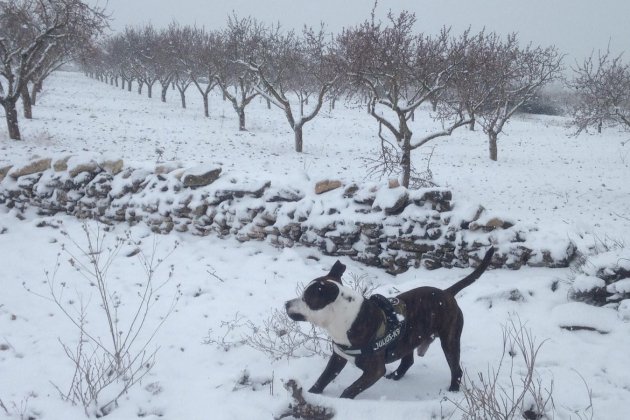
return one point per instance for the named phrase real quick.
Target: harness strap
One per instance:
(388, 333)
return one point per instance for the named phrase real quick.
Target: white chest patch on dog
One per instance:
(341, 314)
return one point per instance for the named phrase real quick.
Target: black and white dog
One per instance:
(376, 331)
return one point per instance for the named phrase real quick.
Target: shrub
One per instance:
(107, 363)
(523, 395)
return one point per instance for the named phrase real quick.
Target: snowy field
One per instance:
(575, 187)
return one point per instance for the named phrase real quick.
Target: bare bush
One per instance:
(226, 341)
(280, 337)
(360, 283)
(20, 411)
(522, 395)
(277, 337)
(385, 163)
(107, 361)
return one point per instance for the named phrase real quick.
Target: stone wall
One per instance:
(380, 225)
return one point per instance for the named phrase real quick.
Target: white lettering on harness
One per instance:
(387, 339)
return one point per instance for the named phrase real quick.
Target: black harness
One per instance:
(387, 335)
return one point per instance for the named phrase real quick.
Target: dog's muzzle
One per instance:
(296, 316)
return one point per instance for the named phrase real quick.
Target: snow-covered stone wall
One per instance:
(380, 225)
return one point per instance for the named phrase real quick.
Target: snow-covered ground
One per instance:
(576, 187)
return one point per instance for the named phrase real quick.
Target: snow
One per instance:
(583, 283)
(578, 314)
(568, 188)
(387, 198)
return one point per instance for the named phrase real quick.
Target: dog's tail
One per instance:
(469, 279)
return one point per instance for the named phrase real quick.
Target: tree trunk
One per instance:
(129, 85)
(140, 87)
(405, 161)
(206, 107)
(26, 103)
(37, 87)
(599, 127)
(164, 91)
(299, 139)
(471, 126)
(493, 146)
(241, 118)
(149, 90)
(12, 120)
(268, 104)
(182, 94)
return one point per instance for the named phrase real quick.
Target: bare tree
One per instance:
(301, 66)
(602, 83)
(180, 41)
(146, 44)
(31, 33)
(203, 64)
(81, 32)
(469, 89)
(242, 42)
(514, 75)
(399, 71)
(119, 59)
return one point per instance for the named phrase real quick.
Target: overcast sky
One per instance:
(575, 26)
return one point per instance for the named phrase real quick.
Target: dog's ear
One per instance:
(337, 271)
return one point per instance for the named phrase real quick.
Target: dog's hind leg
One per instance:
(405, 364)
(451, 351)
(451, 346)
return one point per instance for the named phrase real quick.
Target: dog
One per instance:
(373, 332)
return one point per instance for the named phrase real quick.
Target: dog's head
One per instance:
(325, 300)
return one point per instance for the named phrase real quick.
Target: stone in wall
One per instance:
(4, 170)
(33, 167)
(201, 176)
(327, 185)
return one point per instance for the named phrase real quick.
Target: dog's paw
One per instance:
(394, 376)
(314, 390)
(348, 395)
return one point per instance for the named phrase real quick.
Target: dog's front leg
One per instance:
(335, 364)
(372, 372)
